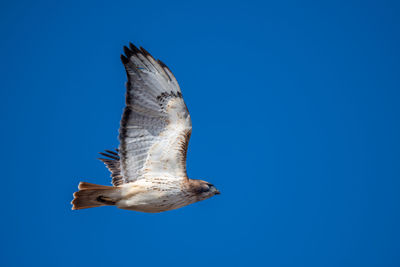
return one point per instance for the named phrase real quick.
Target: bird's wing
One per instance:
(156, 125)
(112, 161)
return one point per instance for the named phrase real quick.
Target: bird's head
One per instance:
(202, 189)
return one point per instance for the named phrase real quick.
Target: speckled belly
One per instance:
(150, 200)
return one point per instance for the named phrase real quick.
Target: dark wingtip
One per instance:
(163, 65)
(111, 152)
(124, 59)
(127, 52)
(134, 48)
(109, 156)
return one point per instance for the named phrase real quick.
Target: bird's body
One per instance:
(149, 168)
(150, 196)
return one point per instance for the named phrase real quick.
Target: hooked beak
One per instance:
(217, 192)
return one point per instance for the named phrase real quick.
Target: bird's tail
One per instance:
(94, 195)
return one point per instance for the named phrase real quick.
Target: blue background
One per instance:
(295, 110)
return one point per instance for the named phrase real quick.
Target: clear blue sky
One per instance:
(295, 110)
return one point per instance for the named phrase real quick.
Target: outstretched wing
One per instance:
(155, 126)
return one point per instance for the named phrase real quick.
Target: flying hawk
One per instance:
(148, 169)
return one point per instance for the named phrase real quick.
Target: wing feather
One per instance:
(155, 125)
(111, 161)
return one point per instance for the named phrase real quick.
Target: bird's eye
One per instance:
(205, 188)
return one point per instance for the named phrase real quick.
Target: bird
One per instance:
(148, 169)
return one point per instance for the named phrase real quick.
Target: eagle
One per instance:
(148, 169)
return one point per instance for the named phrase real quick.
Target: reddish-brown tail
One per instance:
(94, 195)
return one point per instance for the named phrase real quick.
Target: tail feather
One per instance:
(85, 185)
(94, 195)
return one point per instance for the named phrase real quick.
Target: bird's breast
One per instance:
(153, 197)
